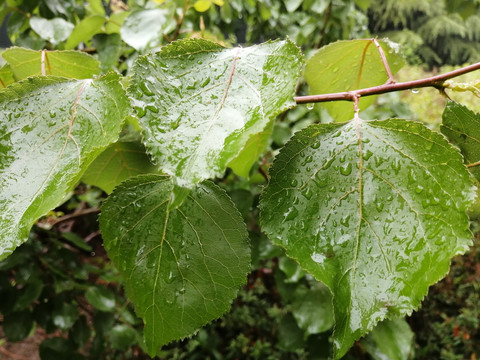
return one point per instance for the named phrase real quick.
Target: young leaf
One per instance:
(369, 209)
(181, 267)
(462, 127)
(51, 129)
(200, 103)
(70, 64)
(349, 65)
(120, 161)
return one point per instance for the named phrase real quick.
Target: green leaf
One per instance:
(115, 21)
(77, 241)
(368, 208)
(65, 316)
(312, 308)
(462, 127)
(54, 30)
(391, 339)
(70, 64)
(52, 129)
(255, 146)
(80, 332)
(200, 103)
(290, 336)
(108, 49)
(122, 337)
(181, 267)
(85, 30)
(349, 65)
(17, 325)
(101, 298)
(144, 29)
(120, 161)
(6, 76)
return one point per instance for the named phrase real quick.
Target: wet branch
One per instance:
(434, 81)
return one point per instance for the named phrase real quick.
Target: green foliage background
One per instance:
(72, 291)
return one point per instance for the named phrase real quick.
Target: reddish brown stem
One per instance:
(434, 81)
(385, 62)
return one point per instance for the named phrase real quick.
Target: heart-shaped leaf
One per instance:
(199, 103)
(369, 209)
(50, 131)
(182, 268)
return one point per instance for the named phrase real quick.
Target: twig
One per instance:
(326, 17)
(12, 355)
(434, 81)
(75, 214)
(385, 62)
(179, 22)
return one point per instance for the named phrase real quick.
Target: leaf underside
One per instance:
(199, 103)
(51, 129)
(349, 65)
(368, 208)
(183, 267)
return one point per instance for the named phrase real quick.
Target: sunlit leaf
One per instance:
(6, 76)
(145, 28)
(199, 103)
(181, 267)
(51, 129)
(369, 209)
(53, 30)
(84, 30)
(349, 65)
(70, 64)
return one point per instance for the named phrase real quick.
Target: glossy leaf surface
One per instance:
(349, 65)
(145, 28)
(70, 64)
(120, 161)
(51, 129)
(181, 267)
(369, 209)
(54, 30)
(200, 103)
(462, 127)
(391, 339)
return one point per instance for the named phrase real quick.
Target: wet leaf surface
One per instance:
(199, 103)
(183, 267)
(369, 209)
(51, 129)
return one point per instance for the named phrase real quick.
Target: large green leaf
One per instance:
(462, 127)
(50, 131)
(181, 267)
(6, 76)
(349, 65)
(70, 64)
(85, 30)
(368, 208)
(199, 103)
(120, 161)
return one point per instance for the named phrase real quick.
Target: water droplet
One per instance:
(310, 106)
(170, 278)
(291, 214)
(415, 91)
(346, 170)
(294, 183)
(307, 193)
(52, 114)
(315, 145)
(419, 189)
(318, 258)
(144, 86)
